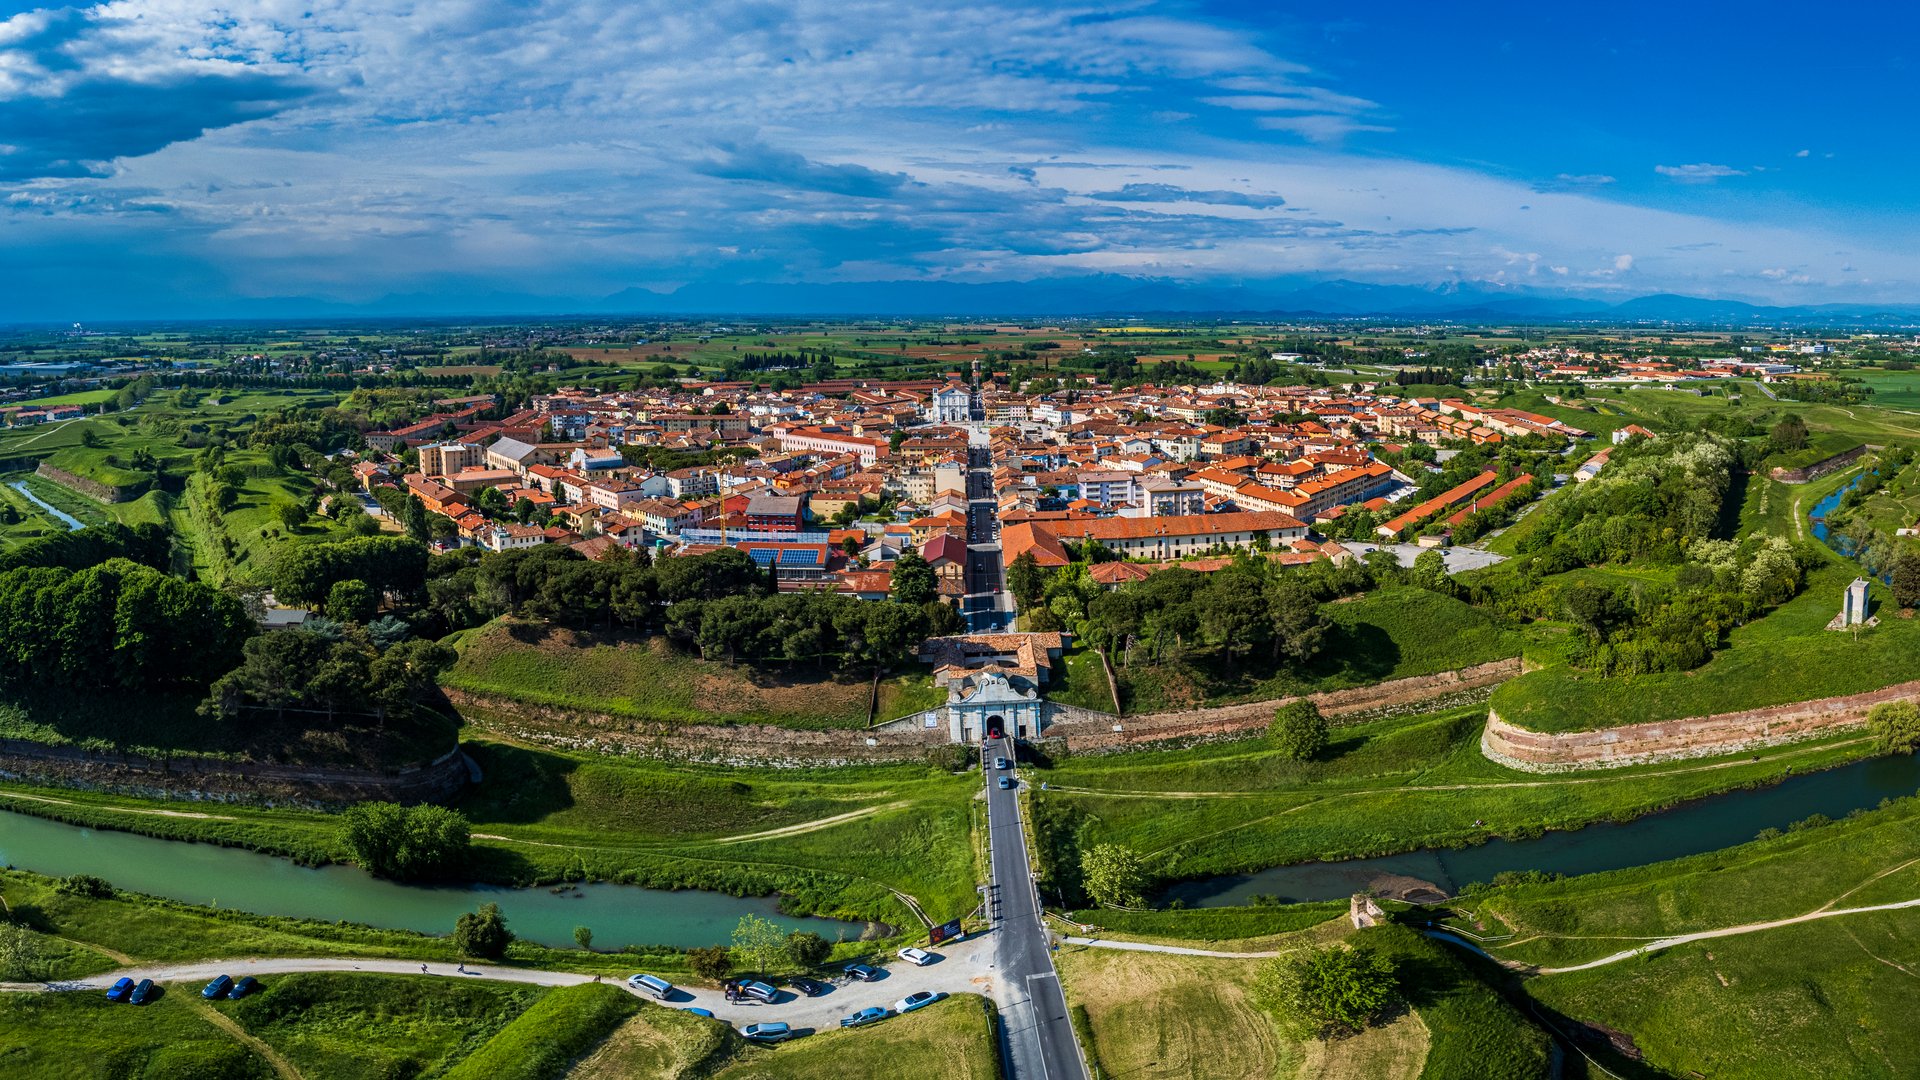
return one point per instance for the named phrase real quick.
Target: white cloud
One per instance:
(1701, 173)
(1804, 153)
(1623, 263)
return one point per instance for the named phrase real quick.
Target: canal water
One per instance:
(1708, 824)
(65, 518)
(231, 878)
(1817, 516)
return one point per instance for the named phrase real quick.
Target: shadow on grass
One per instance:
(519, 785)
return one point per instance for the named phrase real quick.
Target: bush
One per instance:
(711, 962)
(807, 949)
(483, 933)
(85, 885)
(1298, 730)
(405, 842)
(1327, 991)
(1896, 724)
(1113, 876)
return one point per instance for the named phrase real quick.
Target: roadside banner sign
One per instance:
(946, 932)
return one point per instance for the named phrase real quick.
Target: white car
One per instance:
(916, 957)
(918, 1001)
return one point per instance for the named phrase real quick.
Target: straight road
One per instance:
(1036, 1032)
(984, 605)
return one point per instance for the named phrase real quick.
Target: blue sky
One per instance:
(171, 157)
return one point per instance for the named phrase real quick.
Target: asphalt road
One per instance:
(1036, 1033)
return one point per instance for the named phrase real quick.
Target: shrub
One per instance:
(85, 885)
(1298, 731)
(807, 949)
(1896, 724)
(483, 933)
(405, 841)
(1113, 876)
(1327, 991)
(711, 962)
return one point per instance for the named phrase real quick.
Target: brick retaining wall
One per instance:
(216, 780)
(1675, 740)
(1088, 731)
(1818, 469)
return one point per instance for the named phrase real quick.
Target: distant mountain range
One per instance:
(1088, 296)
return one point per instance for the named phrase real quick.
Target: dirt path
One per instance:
(227, 1024)
(116, 809)
(1177, 950)
(1708, 935)
(813, 826)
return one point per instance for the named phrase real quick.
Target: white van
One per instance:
(651, 984)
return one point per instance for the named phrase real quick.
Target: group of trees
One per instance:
(1248, 607)
(117, 624)
(332, 669)
(306, 573)
(147, 544)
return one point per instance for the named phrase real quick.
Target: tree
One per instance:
(1430, 572)
(807, 949)
(758, 941)
(1298, 731)
(1026, 581)
(583, 937)
(1114, 876)
(352, 600)
(292, 515)
(1897, 726)
(1299, 629)
(482, 933)
(1906, 580)
(1789, 434)
(21, 958)
(710, 962)
(943, 619)
(390, 840)
(1327, 991)
(913, 581)
(415, 519)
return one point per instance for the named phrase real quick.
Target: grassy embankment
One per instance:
(948, 1040)
(1162, 1015)
(833, 841)
(1787, 656)
(645, 679)
(1730, 1006)
(1385, 786)
(1390, 633)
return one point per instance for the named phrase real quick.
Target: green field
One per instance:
(83, 1036)
(645, 679)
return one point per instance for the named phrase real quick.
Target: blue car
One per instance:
(247, 985)
(120, 990)
(865, 1016)
(218, 988)
(708, 1013)
(142, 992)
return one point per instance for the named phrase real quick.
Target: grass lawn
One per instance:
(78, 397)
(563, 1025)
(645, 679)
(1787, 656)
(1081, 681)
(948, 1040)
(1390, 633)
(1736, 1006)
(1166, 1015)
(1388, 786)
(83, 1036)
(370, 1027)
(660, 1042)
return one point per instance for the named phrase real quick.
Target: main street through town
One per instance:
(1037, 1037)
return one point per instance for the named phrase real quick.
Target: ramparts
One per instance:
(1676, 740)
(219, 780)
(1809, 473)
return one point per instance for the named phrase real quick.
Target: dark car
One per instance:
(247, 985)
(863, 972)
(142, 992)
(217, 988)
(119, 991)
(809, 987)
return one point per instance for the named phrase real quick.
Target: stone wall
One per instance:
(1818, 469)
(731, 744)
(92, 488)
(1675, 740)
(216, 780)
(1087, 731)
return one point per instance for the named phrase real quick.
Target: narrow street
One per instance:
(1035, 1031)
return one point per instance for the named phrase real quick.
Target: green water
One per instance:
(230, 878)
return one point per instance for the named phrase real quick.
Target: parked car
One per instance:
(809, 987)
(651, 984)
(863, 972)
(1006, 782)
(708, 1013)
(768, 1032)
(758, 991)
(916, 957)
(918, 1001)
(218, 988)
(142, 992)
(247, 985)
(865, 1016)
(119, 990)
